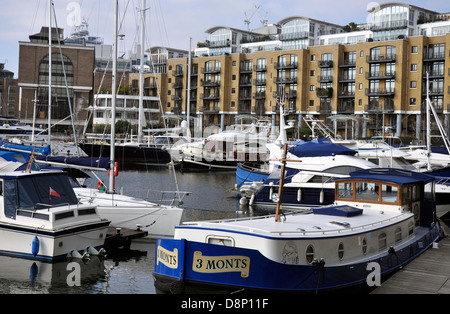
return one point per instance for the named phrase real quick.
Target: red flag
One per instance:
(54, 193)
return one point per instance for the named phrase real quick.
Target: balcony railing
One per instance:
(326, 64)
(380, 58)
(380, 75)
(380, 91)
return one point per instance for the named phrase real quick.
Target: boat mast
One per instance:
(427, 103)
(280, 187)
(113, 99)
(49, 70)
(188, 96)
(141, 74)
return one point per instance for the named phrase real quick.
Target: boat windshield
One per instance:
(37, 192)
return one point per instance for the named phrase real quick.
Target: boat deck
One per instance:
(305, 223)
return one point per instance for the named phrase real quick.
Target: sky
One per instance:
(170, 23)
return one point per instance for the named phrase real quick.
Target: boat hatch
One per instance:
(220, 240)
(342, 210)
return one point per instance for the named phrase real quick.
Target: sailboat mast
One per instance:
(113, 99)
(49, 70)
(427, 103)
(141, 74)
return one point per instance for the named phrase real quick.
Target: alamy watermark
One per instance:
(73, 14)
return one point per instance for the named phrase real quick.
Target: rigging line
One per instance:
(65, 80)
(35, 16)
(164, 23)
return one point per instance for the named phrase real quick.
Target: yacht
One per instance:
(41, 218)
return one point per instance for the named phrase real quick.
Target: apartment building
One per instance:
(9, 93)
(374, 74)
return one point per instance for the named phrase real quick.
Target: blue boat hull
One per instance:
(245, 175)
(181, 266)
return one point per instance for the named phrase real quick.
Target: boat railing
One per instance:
(443, 180)
(171, 198)
(345, 227)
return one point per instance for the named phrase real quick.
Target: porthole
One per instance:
(341, 251)
(364, 246)
(309, 254)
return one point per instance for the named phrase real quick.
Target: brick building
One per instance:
(78, 61)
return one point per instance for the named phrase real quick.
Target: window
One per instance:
(412, 101)
(313, 57)
(398, 234)
(341, 251)
(413, 67)
(389, 193)
(382, 241)
(364, 246)
(413, 84)
(345, 190)
(368, 191)
(414, 49)
(309, 254)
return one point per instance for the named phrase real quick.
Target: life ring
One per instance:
(99, 184)
(116, 169)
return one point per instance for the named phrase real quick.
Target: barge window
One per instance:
(367, 191)
(382, 242)
(398, 234)
(345, 190)
(309, 254)
(364, 246)
(389, 194)
(341, 251)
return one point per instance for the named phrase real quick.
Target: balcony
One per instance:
(346, 109)
(285, 80)
(380, 75)
(346, 94)
(434, 56)
(326, 64)
(259, 81)
(284, 65)
(325, 108)
(377, 107)
(177, 72)
(244, 108)
(211, 70)
(259, 95)
(210, 108)
(260, 68)
(324, 92)
(325, 79)
(348, 63)
(380, 58)
(294, 36)
(210, 96)
(209, 83)
(245, 81)
(380, 92)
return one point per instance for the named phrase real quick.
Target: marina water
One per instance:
(126, 272)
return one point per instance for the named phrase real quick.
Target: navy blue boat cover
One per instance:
(319, 147)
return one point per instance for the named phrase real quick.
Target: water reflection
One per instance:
(24, 276)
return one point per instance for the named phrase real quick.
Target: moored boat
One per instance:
(42, 219)
(382, 218)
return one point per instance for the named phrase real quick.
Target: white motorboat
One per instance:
(159, 220)
(41, 218)
(381, 220)
(223, 150)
